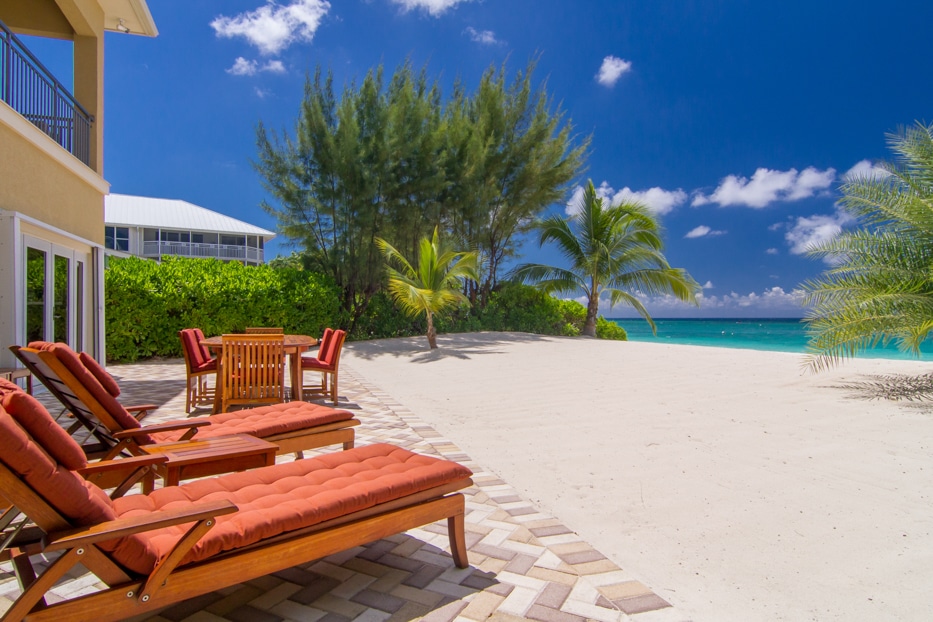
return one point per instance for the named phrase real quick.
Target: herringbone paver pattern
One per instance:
(523, 564)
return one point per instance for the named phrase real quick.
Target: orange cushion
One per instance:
(69, 358)
(262, 421)
(284, 497)
(36, 421)
(79, 501)
(103, 377)
(309, 362)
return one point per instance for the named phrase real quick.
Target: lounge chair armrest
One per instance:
(161, 427)
(122, 464)
(138, 524)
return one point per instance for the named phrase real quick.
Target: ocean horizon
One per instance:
(768, 334)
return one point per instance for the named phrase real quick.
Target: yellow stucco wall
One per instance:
(36, 185)
(42, 18)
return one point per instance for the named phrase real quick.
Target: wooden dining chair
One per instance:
(256, 330)
(199, 367)
(327, 363)
(252, 370)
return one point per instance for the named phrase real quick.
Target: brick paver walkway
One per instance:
(523, 564)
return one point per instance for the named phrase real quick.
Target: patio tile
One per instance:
(524, 564)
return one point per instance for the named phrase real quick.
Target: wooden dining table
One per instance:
(295, 346)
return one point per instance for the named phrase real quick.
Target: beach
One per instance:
(733, 483)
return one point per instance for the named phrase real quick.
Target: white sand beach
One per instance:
(731, 482)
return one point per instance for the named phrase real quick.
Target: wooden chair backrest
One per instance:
(72, 394)
(257, 330)
(252, 369)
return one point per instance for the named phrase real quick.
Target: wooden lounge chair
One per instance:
(326, 363)
(176, 543)
(293, 426)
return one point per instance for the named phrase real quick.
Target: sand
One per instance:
(731, 482)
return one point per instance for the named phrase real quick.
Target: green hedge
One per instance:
(149, 302)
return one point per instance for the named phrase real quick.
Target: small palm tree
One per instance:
(881, 286)
(436, 283)
(614, 250)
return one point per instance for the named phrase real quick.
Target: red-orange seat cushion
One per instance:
(103, 377)
(310, 362)
(284, 497)
(37, 422)
(263, 421)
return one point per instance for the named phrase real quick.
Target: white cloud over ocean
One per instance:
(865, 168)
(660, 201)
(434, 7)
(807, 232)
(770, 302)
(612, 69)
(273, 27)
(767, 186)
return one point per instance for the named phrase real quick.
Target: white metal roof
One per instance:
(133, 211)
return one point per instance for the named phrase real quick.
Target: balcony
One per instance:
(193, 249)
(31, 90)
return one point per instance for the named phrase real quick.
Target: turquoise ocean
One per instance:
(775, 335)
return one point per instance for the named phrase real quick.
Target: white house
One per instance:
(148, 227)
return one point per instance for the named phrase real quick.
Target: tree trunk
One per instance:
(432, 333)
(592, 310)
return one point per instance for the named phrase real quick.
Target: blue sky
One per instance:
(734, 120)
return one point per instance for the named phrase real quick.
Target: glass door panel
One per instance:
(35, 294)
(61, 310)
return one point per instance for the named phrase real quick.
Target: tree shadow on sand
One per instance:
(894, 388)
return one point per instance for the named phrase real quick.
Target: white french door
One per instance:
(57, 293)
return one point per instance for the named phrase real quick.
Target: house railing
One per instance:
(31, 90)
(194, 249)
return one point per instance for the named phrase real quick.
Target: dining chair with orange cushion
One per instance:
(199, 366)
(327, 363)
(252, 370)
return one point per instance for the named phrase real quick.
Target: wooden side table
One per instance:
(211, 456)
(14, 373)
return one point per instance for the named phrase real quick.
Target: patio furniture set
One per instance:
(244, 518)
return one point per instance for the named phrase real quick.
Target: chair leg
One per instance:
(333, 387)
(188, 396)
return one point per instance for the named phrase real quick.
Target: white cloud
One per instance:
(708, 285)
(772, 251)
(863, 169)
(262, 93)
(770, 302)
(702, 231)
(658, 200)
(434, 7)
(273, 27)
(483, 37)
(767, 186)
(243, 67)
(807, 232)
(612, 69)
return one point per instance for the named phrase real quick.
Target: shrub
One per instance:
(607, 329)
(149, 302)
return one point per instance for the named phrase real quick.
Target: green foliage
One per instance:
(611, 249)
(516, 307)
(880, 288)
(610, 330)
(431, 287)
(149, 302)
(394, 161)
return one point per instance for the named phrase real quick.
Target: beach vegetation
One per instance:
(879, 288)
(433, 284)
(615, 250)
(149, 302)
(390, 158)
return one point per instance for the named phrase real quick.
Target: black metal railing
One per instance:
(31, 90)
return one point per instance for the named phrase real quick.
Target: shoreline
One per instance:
(730, 481)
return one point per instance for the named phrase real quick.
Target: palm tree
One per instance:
(436, 283)
(614, 250)
(880, 286)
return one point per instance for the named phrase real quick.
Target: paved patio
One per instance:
(523, 564)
